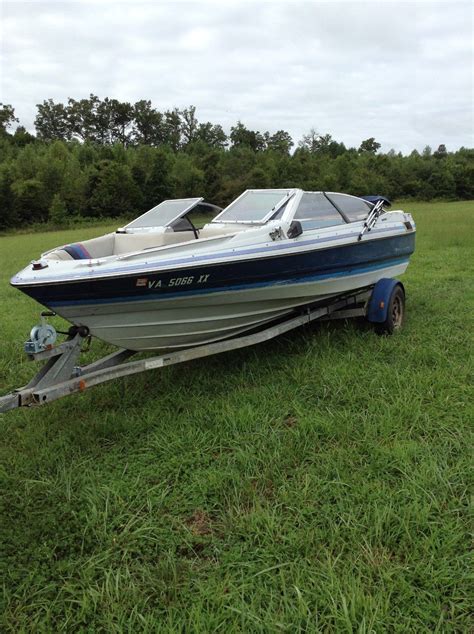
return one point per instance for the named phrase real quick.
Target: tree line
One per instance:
(105, 158)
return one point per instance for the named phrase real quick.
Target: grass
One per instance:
(318, 482)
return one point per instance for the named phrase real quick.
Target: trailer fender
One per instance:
(379, 301)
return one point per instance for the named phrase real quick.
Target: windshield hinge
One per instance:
(276, 234)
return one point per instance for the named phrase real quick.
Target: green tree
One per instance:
(148, 124)
(106, 157)
(122, 120)
(310, 141)
(30, 201)
(369, 145)
(463, 173)
(28, 161)
(258, 178)
(241, 136)
(212, 135)
(83, 121)
(210, 165)
(57, 211)
(280, 142)
(113, 191)
(172, 127)
(7, 117)
(8, 214)
(22, 137)
(52, 165)
(52, 122)
(316, 143)
(187, 177)
(189, 124)
(160, 183)
(441, 152)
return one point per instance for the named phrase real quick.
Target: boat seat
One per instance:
(94, 248)
(118, 244)
(129, 242)
(58, 254)
(76, 251)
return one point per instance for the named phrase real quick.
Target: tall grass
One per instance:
(318, 482)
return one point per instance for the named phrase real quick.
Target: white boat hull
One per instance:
(181, 322)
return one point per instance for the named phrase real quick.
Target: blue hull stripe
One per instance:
(206, 291)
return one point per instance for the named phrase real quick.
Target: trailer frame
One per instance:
(61, 375)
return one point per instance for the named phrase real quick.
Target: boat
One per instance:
(160, 283)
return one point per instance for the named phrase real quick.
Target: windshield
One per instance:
(353, 208)
(253, 206)
(316, 211)
(164, 214)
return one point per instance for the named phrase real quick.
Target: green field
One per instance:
(315, 483)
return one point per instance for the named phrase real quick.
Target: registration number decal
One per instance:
(144, 282)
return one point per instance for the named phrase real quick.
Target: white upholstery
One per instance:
(121, 243)
(97, 248)
(173, 237)
(58, 254)
(128, 242)
(100, 247)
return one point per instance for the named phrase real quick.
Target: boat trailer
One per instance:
(61, 375)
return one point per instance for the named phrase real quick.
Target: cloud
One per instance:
(401, 72)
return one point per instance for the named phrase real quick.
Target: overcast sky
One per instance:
(401, 72)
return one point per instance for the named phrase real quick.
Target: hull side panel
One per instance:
(182, 322)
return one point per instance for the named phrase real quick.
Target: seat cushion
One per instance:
(77, 251)
(58, 254)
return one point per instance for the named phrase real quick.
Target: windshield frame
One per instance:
(192, 202)
(290, 211)
(286, 194)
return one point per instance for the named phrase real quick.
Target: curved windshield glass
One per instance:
(316, 211)
(354, 208)
(164, 214)
(254, 206)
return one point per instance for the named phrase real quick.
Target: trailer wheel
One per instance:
(395, 313)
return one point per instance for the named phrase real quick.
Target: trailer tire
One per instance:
(395, 313)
